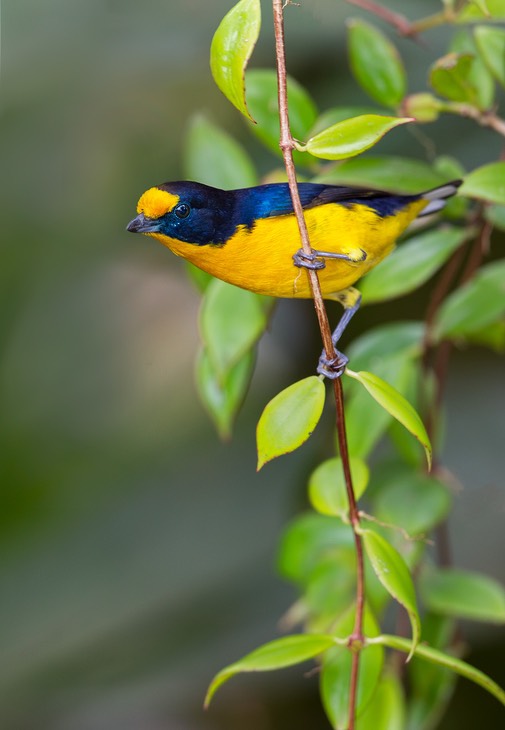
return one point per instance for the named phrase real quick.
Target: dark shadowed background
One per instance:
(137, 552)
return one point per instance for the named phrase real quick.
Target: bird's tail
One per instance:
(438, 196)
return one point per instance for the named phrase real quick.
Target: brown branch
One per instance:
(399, 22)
(287, 145)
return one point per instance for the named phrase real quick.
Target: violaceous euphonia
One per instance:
(249, 237)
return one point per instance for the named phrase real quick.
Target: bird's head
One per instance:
(185, 212)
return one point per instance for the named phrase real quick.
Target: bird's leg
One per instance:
(350, 299)
(315, 260)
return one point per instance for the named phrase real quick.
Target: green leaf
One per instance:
(386, 710)
(394, 575)
(327, 490)
(231, 321)
(463, 594)
(276, 654)
(336, 671)
(289, 419)
(491, 45)
(352, 136)
(390, 173)
(492, 336)
(486, 183)
(338, 114)
(477, 304)
(472, 11)
(261, 85)
(495, 214)
(231, 49)
(421, 651)
(412, 264)
(307, 541)
(376, 64)
(478, 75)
(416, 502)
(330, 589)
(431, 685)
(450, 77)
(399, 339)
(422, 107)
(223, 396)
(391, 351)
(213, 157)
(394, 403)
(482, 5)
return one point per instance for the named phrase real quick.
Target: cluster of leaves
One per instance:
(407, 503)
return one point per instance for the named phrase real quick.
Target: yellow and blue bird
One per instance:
(249, 237)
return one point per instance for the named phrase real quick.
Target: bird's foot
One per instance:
(306, 261)
(333, 368)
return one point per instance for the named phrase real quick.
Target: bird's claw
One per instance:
(306, 261)
(334, 368)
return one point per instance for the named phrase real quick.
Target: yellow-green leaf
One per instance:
(231, 48)
(435, 656)
(394, 403)
(289, 419)
(275, 655)
(392, 571)
(352, 136)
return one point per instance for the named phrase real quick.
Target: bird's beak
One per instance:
(143, 224)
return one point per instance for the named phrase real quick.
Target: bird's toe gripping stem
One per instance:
(333, 368)
(308, 261)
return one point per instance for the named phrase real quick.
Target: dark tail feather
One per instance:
(438, 196)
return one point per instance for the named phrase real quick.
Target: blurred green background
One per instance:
(137, 553)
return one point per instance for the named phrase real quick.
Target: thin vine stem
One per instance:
(287, 144)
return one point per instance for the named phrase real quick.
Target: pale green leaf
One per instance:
(336, 670)
(479, 77)
(213, 157)
(289, 419)
(327, 489)
(416, 502)
(495, 9)
(352, 136)
(231, 48)
(376, 64)
(491, 45)
(486, 183)
(474, 306)
(222, 396)
(450, 77)
(390, 173)
(386, 710)
(394, 575)
(307, 540)
(395, 404)
(231, 321)
(463, 594)
(276, 654)
(412, 264)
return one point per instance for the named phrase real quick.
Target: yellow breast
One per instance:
(261, 259)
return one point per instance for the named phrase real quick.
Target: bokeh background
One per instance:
(137, 552)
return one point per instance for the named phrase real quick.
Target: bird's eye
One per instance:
(182, 210)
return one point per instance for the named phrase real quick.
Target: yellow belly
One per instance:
(261, 259)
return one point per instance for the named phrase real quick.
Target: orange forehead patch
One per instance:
(155, 202)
